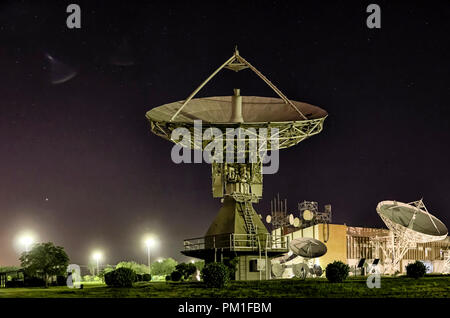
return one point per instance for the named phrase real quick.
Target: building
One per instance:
(350, 244)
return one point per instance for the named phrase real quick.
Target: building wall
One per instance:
(243, 268)
(350, 244)
(336, 243)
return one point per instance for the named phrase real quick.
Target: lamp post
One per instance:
(97, 257)
(149, 242)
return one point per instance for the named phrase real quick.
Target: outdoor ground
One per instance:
(291, 288)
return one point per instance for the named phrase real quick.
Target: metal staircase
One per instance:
(245, 202)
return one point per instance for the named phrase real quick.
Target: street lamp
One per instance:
(149, 242)
(26, 241)
(97, 256)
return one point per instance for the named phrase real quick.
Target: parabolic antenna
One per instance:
(296, 222)
(307, 247)
(308, 215)
(295, 121)
(291, 219)
(300, 270)
(277, 270)
(412, 221)
(268, 219)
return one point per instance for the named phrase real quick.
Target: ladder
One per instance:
(250, 225)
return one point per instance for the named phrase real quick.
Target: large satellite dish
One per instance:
(294, 120)
(307, 247)
(412, 221)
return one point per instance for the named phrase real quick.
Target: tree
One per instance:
(165, 267)
(137, 268)
(45, 259)
(186, 269)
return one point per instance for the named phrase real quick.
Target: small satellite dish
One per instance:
(308, 215)
(300, 270)
(291, 219)
(296, 222)
(317, 270)
(307, 247)
(277, 270)
(268, 219)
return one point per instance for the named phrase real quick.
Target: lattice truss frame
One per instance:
(287, 134)
(401, 239)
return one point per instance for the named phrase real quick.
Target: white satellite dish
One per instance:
(296, 222)
(277, 270)
(268, 219)
(308, 215)
(291, 219)
(307, 247)
(300, 270)
(407, 220)
(317, 270)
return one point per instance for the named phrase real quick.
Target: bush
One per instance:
(175, 276)
(186, 269)
(61, 280)
(416, 270)
(215, 275)
(121, 277)
(337, 272)
(34, 282)
(138, 278)
(167, 278)
(146, 277)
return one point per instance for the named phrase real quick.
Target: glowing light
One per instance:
(150, 242)
(97, 256)
(26, 240)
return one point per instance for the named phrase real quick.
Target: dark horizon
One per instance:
(80, 167)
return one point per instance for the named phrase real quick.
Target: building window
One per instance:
(253, 265)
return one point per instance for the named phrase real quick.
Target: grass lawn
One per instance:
(292, 288)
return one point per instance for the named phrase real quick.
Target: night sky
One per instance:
(80, 167)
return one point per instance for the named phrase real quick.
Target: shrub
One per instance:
(121, 277)
(61, 280)
(138, 278)
(109, 278)
(175, 276)
(146, 277)
(416, 270)
(167, 278)
(186, 269)
(215, 275)
(87, 278)
(32, 281)
(337, 272)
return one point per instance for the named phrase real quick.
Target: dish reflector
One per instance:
(268, 219)
(308, 215)
(277, 270)
(413, 222)
(291, 219)
(307, 247)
